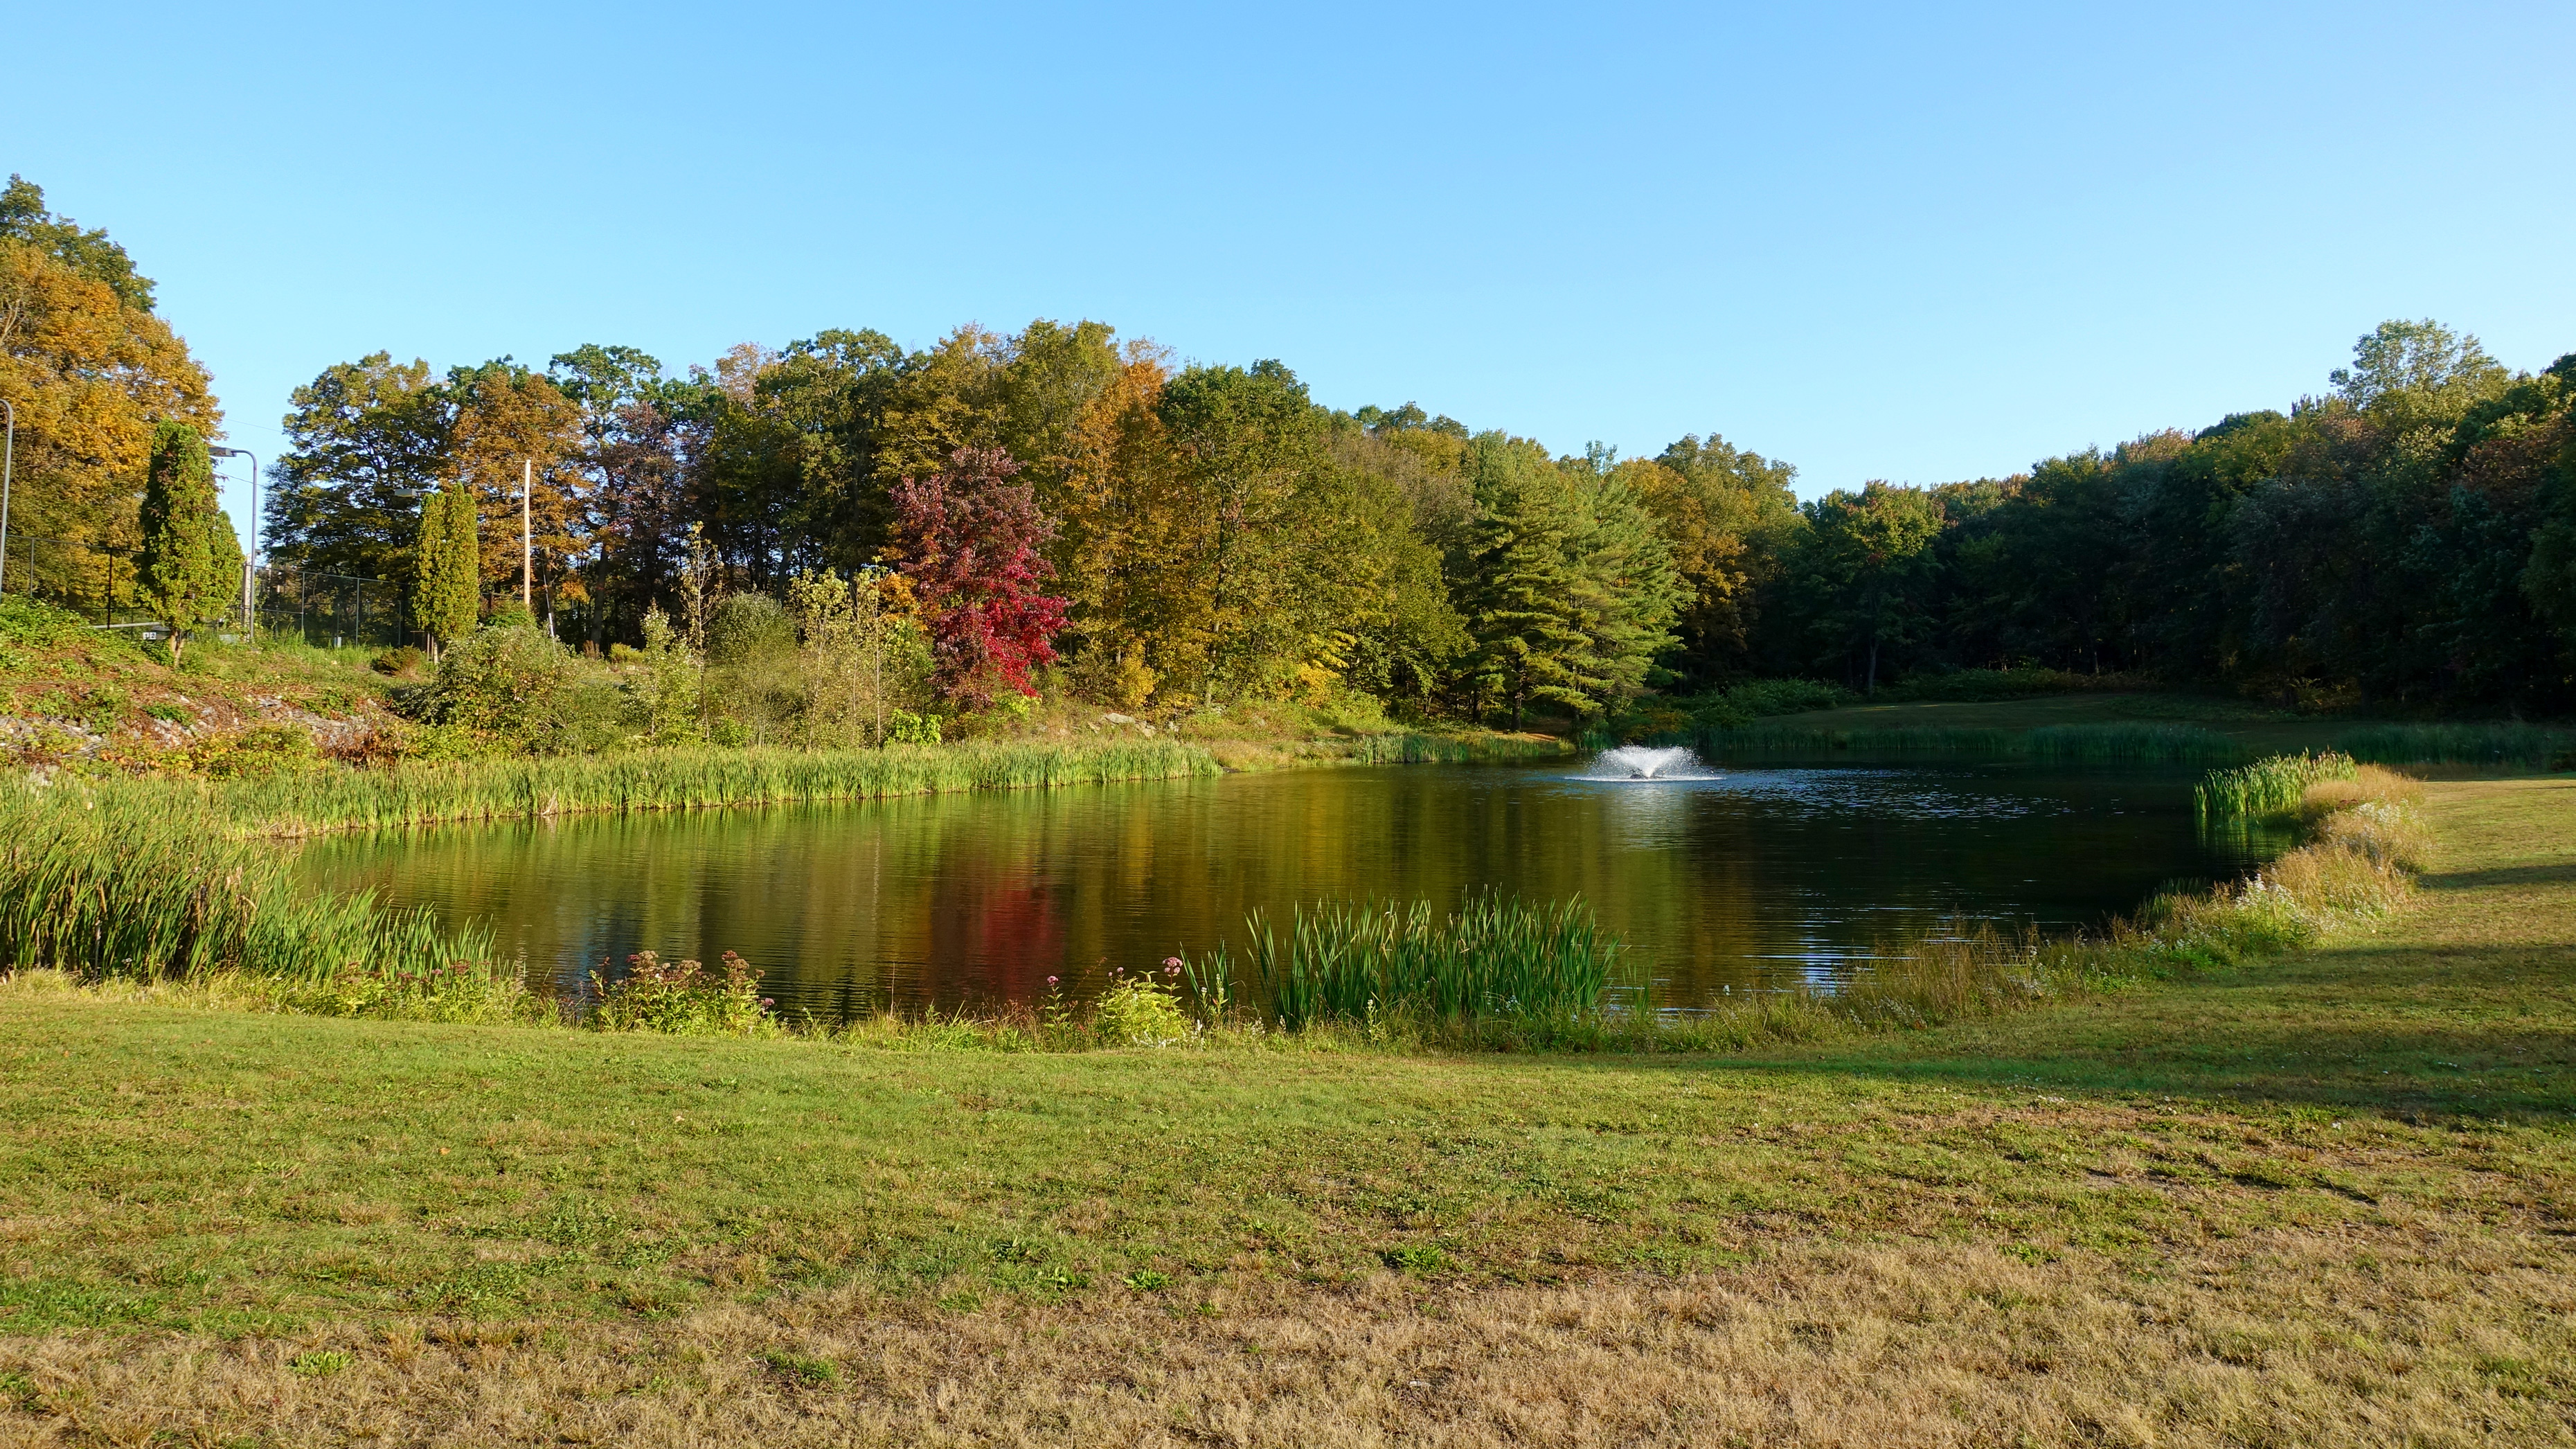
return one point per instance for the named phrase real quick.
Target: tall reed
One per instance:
(111, 881)
(2271, 786)
(1495, 956)
(676, 779)
(1412, 749)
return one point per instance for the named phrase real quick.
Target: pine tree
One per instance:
(447, 587)
(186, 538)
(1520, 597)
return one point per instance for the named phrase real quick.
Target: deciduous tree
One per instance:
(972, 540)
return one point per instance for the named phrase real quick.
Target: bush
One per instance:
(514, 686)
(1968, 685)
(399, 663)
(1742, 704)
(750, 629)
(256, 753)
(1141, 1011)
(755, 681)
(35, 624)
(683, 998)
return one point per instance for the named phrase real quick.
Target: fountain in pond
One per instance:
(1638, 762)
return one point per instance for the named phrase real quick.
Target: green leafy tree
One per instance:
(1868, 564)
(190, 569)
(90, 371)
(446, 582)
(1728, 515)
(366, 442)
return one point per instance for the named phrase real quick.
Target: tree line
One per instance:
(1171, 535)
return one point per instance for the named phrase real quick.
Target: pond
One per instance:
(1738, 878)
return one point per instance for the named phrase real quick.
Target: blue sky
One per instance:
(1876, 241)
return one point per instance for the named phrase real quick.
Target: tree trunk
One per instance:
(1873, 668)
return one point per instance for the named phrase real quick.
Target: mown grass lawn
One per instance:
(2332, 1198)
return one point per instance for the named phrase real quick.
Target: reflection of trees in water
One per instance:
(952, 898)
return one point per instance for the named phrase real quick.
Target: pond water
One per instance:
(1722, 878)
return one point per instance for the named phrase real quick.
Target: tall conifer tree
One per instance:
(187, 540)
(446, 589)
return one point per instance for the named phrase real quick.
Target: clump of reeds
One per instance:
(110, 880)
(1354, 961)
(672, 779)
(1414, 749)
(2272, 786)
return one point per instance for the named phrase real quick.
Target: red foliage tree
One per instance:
(969, 539)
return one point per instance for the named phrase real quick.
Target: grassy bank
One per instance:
(2131, 725)
(2289, 1199)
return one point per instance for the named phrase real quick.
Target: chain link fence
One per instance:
(312, 605)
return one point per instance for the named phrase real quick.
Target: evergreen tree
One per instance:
(188, 543)
(1529, 647)
(447, 577)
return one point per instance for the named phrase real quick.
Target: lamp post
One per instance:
(8, 465)
(250, 565)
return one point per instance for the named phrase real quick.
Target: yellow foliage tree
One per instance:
(91, 370)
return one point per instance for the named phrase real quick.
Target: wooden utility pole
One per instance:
(527, 549)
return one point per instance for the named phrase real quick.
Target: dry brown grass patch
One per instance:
(2379, 1336)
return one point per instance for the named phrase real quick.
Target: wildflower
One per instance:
(1050, 981)
(1172, 970)
(1171, 963)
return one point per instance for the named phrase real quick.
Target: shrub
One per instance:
(1140, 1011)
(1966, 685)
(1742, 704)
(255, 753)
(35, 624)
(755, 679)
(683, 998)
(514, 686)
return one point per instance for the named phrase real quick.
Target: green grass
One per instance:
(2135, 725)
(2511, 745)
(2110, 741)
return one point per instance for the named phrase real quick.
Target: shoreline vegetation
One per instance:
(123, 899)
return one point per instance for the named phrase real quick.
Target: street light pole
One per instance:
(250, 565)
(8, 465)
